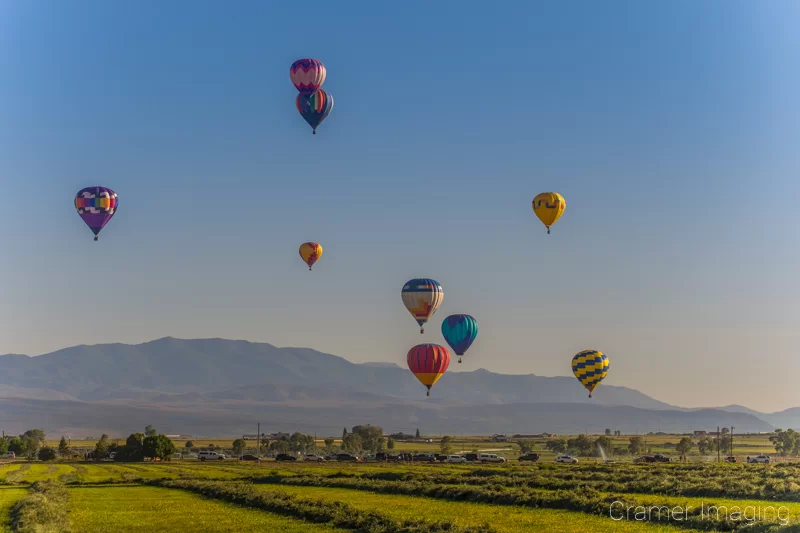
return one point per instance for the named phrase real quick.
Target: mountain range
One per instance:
(215, 387)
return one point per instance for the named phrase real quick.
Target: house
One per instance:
(499, 438)
(700, 433)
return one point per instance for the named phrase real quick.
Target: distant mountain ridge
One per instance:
(221, 383)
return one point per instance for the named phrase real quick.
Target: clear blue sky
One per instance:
(671, 128)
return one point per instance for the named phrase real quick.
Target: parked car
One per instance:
(440, 457)
(401, 457)
(456, 459)
(532, 457)
(566, 459)
(423, 458)
(383, 456)
(471, 457)
(643, 459)
(206, 455)
(114, 454)
(760, 459)
(10, 455)
(313, 458)
(346, 457)
(491, 458)
(658, 458)
(730, 459)
(285, 457)
(249, 457)
(370, 457)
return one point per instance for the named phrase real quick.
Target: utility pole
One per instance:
(732, 428)
(718, 445)
(258, 442)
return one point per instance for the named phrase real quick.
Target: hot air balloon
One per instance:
(96, 206)
(428, 362)
(307, 75)
(422, 297)
(310, 252)
(314, 108)
(590, 367)
(549, 206)
(460, 332)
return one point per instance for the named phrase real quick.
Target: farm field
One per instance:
(8, 497)
(229, 496)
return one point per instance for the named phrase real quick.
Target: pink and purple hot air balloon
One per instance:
(307, 75)
(96, 205)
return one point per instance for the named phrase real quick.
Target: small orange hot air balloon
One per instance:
(549, 206)
(428, 362)
(310, 252)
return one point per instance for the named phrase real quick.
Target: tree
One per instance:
(36, 434)
(608, 432)
(344, 433)
(705, 446)
(329, 442)
(279, 446)
(526, 445)
(785, 442)
(581, 445)
(556, 445)
(239, 446)
(390, 444)
(446, 445)
(15, 445)
(725, 443)
(47, 454)
(300, 443)
(188, 444)
(635, 445)
(150, 431)
(101, 448)
(603, 445)
(3, 446)
(417, 435)
(264, 444)
(352, 443)
(684, 446)
(724, 431)
(158, 447)
(63, 448)
(132, 451)
(371, 437)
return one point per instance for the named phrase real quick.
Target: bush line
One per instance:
(337, 514)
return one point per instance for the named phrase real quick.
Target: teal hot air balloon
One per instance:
(460, 332)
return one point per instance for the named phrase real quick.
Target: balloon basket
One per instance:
(459, 360)
(96, 238)
(428, 393)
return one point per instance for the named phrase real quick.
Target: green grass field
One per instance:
(189, 495)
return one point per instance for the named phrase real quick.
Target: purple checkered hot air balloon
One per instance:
(96, 206)
(307, 75)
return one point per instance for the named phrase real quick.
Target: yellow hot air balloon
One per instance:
(549, 206)
(590, 367)
(310, 252)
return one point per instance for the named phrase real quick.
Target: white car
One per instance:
(206, 455)
(760, 459)
(313, 457)
(491, 458)
(566, 459)
(456, 459)
(10, 455)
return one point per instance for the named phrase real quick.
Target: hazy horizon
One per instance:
(671, 130)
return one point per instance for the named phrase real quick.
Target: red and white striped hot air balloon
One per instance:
(307, 75)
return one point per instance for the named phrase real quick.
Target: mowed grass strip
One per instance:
(336, 513)
(9, 497)
(148, 509)
(503, 518)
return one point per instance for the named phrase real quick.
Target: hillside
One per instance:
(210, 386)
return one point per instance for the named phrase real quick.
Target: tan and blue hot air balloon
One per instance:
(549, 206)
(422, 297)
(590, 367)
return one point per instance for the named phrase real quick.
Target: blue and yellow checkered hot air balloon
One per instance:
(590, 367)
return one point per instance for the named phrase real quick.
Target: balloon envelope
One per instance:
(549, 206)
(422, 297)
(460, 331)
(96, 206)
(314, 108)
(310, 252)
(428, 362)
(590, 367)
(307, 75)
